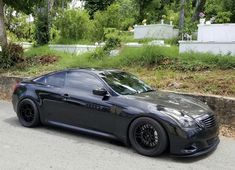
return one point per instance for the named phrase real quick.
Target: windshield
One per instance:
(124, 83)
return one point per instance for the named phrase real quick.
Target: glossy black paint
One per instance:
(104, 112)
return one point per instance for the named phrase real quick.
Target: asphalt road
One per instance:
(52, 148)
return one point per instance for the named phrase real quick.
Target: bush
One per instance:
(12, 55)
(148, 55)
(42, 32)
(119, 16)
(172, 41)
(98, 54)
(112, 43)
(112, 39)
(74, 25)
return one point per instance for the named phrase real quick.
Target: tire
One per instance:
(148, 137)
(28, 114)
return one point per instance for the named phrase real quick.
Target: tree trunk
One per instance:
(42, 22)
(3, 35)
(181, 19)
(198, 8)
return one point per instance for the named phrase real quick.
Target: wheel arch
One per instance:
(34, 101)
(164, 126)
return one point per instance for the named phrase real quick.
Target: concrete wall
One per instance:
(224, 107)
(6, 86)
(216, 32)
(155, 31)
(207, 47)
(74, 49)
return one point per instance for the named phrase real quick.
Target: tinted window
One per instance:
(124, 83)
(56, 79)
(41, 80)
(83, 81)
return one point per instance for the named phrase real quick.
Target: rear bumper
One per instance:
(195, 142)
(15, 102)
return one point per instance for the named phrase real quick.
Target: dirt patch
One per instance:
(216, 82)
(43, 60)
(227, 131)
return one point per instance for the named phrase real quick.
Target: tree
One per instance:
(142, 5)
(3, 35)
(25, 6)
(44, 14)
(97, 5)
(199, 6)
(229, 6)
(181, 19)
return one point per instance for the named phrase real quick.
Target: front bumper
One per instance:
(191, 143)
(207, 150)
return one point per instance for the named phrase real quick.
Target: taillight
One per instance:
(15, 86)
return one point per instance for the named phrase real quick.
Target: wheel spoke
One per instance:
(27, 113)
(146, 135)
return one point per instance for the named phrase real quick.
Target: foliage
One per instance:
(42, 34)
(122, 20)
(229, 6)
(74, 25)
(147, 56)
(93, 6)
(17, 26)
(221, 10)
(112, 43)
(11, 56)
(98, 54)
(25, 6)
(223, 17)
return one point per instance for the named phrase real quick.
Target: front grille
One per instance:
(209, 121)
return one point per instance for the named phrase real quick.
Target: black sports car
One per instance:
(118, 105)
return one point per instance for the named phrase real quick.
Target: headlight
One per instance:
(184, 120)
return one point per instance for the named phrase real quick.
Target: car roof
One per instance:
(94, 70)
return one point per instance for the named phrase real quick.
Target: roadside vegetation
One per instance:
(162, 67)
(54, 22)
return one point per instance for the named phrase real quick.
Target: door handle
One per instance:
(65, 97)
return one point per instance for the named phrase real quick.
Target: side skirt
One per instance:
(80, 129)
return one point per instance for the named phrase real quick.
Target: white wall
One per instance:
(74, 49)
(216, 32)
(157, 31)
(207, 47)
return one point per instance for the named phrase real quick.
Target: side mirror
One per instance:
(100, 92)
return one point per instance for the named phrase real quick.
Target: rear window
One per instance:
(57, 79)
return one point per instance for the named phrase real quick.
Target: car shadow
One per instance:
(105, 142)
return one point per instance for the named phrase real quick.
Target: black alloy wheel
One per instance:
(28, 113)
(148, 137)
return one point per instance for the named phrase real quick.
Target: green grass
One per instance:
(147, 56)
(159, 66)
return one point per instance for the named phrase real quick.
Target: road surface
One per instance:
(52, 148)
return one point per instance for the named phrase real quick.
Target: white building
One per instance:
(212, 38)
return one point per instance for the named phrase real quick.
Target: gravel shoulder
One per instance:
(53, 148)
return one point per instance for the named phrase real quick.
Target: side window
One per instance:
(57, 79)
(41, 80)
(83, 81)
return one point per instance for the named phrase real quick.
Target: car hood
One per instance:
(187, 105)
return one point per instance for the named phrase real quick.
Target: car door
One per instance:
(50, 91)
(84, 108)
